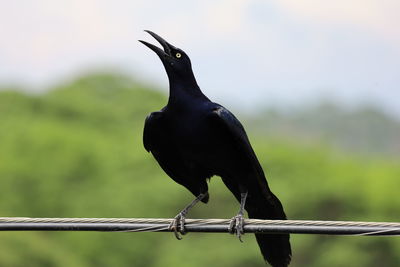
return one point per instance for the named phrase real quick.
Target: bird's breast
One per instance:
(199, 144)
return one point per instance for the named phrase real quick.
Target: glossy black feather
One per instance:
(193, 139)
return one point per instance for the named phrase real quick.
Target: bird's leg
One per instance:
(237, 222)
(179, 219)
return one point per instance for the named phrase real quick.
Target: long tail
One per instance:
(275, 248)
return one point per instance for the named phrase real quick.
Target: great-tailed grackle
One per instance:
(193, 139)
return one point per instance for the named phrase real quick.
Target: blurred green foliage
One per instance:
(76, 151)
(364, 129)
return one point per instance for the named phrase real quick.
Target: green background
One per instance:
(76, 151)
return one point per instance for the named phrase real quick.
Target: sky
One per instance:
(252, 53)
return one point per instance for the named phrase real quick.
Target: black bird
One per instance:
(193, 139)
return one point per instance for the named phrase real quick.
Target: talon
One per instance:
(179, 220)
(182, 229)
(178, 223)
(231, 227)
(237, 226)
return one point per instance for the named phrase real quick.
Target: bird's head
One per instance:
(177, 64)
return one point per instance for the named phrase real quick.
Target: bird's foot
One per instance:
(237, 226)
(178, 225)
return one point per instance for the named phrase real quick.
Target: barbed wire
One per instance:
(199, 225)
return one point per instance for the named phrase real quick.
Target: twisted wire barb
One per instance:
(199, 225)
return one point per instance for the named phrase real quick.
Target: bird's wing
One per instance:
(152, 129)
(233, 130)
(165, 150)
(156, 140)
(149, 130)
(264, 205)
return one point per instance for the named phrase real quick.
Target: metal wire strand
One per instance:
(198, 225)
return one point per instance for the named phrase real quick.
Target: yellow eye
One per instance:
(178, 55)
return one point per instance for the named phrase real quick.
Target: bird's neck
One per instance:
(182, 91)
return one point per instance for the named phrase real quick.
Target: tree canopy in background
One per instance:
(76, 151)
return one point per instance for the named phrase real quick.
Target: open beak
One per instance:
(161, 53)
